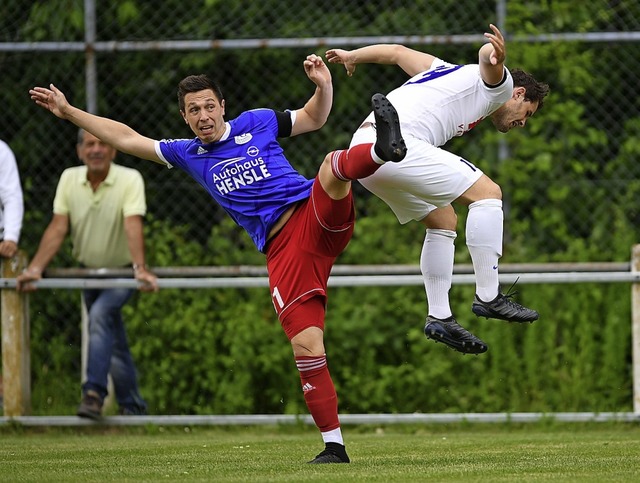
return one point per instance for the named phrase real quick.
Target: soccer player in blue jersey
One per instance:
(300, 225)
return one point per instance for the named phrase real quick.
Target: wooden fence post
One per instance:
(16, 350)
(635, 329)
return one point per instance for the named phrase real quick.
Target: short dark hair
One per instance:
(195, 83)
(534, 91)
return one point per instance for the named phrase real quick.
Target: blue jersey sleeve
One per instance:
(174, 151)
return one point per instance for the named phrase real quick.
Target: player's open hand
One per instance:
(499, 53)
(51, 99)
(316, 70)
(339, 56)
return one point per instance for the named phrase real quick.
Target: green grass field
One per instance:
(594, 452)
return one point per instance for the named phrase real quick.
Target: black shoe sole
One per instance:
(89, 415)
(390, 145)
(327, 459)
(437, 333)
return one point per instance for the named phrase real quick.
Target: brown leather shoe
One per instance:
(90, 406)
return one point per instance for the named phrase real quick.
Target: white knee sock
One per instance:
(484, 240)
(436, 264)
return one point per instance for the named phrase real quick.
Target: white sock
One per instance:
(375, 157)
(436, 264)
(333, 436)
(484, 240)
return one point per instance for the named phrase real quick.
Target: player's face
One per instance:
(95, 154)
(204, 113)
(514, 113)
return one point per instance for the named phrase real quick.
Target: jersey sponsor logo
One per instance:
(201, 150)
(253, 151)
(235, 173)
(227, 161)
(243, 138)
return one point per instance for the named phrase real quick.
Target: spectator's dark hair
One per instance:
(195, 83)
(534, 91)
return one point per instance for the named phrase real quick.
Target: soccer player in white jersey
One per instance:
(300, 224)
(441, 101)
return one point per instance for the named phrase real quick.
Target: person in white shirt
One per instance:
(441, 101)
(11, 202)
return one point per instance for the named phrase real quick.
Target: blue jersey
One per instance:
(246, 171)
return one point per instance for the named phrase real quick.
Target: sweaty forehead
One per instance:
(200, 97)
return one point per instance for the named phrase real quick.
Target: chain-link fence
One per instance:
(571, 175)
(123, 59)
(136, 52)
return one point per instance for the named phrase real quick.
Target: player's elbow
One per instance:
(397, 53)
(310, 123)
(318, 122)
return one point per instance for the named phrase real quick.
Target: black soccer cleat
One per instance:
(333, 453)
(390, 145)
(503, 308)
(452, 334)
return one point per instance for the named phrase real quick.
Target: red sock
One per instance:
(319, 392)
(353, 163)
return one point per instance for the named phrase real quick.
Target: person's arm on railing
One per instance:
(135, 239)
(49, 245)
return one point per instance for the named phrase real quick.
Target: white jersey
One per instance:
(446, 101)
(433, 106)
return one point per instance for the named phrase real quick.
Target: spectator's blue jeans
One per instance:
(108, 350)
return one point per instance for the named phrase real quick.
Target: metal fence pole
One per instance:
(16, 350)
(91, 70)
(635, 329)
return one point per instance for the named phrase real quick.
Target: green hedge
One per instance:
(222, 351)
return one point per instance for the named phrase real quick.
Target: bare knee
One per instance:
(444, 218)
(492, 190)
(483, 189)
(309, 342)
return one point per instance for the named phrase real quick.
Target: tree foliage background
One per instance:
(570, 183)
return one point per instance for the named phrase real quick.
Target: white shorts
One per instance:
(427, 178)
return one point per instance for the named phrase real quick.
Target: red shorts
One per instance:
(301, 255)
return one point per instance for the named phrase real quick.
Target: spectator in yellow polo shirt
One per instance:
(103, 204)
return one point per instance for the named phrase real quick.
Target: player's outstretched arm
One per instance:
(491, 57)
(409, 60)
(316, 111)
(114, 133)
